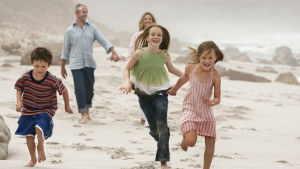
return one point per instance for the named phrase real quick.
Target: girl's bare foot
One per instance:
(41, 153)
(31, 163)
(183, 145)
(142, 122)
(164, 165)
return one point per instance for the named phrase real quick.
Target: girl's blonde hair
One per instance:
(208, 45)
(142, 42)
(141, 22)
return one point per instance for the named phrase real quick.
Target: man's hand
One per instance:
(63, 69)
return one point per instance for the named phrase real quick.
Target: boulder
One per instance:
(243, 57)
(287, 78)
(6, 47)
(7, 65)
(266, 69)
(230, 52)
(263, 61)
(54, 47)
(182, 59)
(283, 55)
(221, 70)
(5, 137)
(237, 75)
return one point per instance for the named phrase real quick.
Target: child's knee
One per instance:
(190, 142)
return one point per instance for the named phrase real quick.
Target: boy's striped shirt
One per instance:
(39, 96)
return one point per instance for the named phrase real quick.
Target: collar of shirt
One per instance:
(86, 23)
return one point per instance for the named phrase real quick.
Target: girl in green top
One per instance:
(150, 81)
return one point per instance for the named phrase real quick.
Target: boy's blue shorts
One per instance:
(27, 124)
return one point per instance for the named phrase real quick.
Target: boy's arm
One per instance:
(19, 101)
(67, 102)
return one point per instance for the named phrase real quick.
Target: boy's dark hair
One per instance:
(41, 53)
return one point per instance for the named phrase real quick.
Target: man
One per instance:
(78, 49)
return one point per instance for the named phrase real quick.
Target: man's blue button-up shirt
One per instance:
(78, 45)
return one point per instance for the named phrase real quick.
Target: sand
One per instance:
(257, 123)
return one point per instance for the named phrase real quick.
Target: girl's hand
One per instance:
(207, 102)
(68, 110)
(172, 92)
(126, 88)
(19, 106)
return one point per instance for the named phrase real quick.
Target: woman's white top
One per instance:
(129, 53)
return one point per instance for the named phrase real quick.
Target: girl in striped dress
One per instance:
(197, 116)
(150, 81)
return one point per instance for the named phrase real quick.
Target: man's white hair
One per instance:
(78, 7)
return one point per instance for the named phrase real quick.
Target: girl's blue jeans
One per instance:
(156, 113)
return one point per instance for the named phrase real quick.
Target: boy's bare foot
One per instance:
(31, 163)
(41, 153)
(142, 121)
(183, 145)
(164, 165)
(89, 117)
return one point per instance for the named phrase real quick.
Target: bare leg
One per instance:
(142, 121)
(189, 140)
(31, 147)
(164, 165)
(84, 116)
(88, 114)
(209, 151)
(40, 146)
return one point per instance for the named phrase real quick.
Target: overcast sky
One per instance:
(190, 20)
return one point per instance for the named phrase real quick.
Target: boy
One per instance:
(39, 103)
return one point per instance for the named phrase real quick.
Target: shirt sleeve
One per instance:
(66, 46)
(102, 40)
(131, 49)
(59, 87)
(20, 83)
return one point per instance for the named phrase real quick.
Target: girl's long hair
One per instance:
(142, 42)
(208, 45)
(141, 22)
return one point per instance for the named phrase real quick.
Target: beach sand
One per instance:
(257, 123)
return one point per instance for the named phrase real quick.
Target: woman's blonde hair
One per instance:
(142, 42)
(208, 45)
(141, 22)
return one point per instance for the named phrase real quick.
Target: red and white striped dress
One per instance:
(195, 114)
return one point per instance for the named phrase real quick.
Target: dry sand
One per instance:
(257, 123)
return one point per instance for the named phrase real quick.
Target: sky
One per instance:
(247, 24)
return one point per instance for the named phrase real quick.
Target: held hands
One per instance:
(126, 88)
(19, 106)
(114, 57)
(68, 109)
(172, 92)
(207, 102)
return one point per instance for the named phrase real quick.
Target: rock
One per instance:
(230, 52)
(7, 65)
(15, 45)
(15, 52)
(237, 75)
(243, 57)
(263, 61)
(5, 137)
(283, 55)
(54, 47)
(287, 78)
(182, 59)
(221, 70)
(266, 69)
(6, 47)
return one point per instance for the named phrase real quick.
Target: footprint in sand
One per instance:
(282, 161)
(89, 139)
(82, 134)
(223, 156)
(128, 132)
(187, 160)
(56, 162)
(225, 138)
(229, 127)
(120, 153)
(253, 129)
(76, 125)
(195, 166)
(52, 143)
(196, 155)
